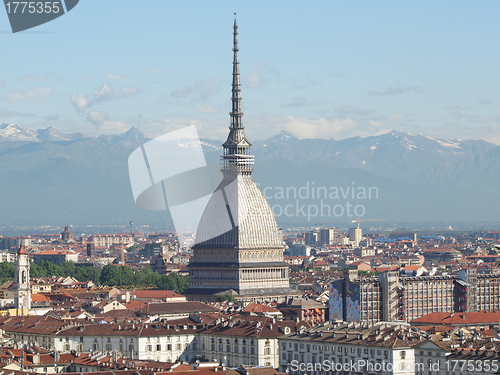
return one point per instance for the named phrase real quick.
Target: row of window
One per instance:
(326, 348)
(168, 347)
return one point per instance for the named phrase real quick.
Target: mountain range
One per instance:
(54, 178)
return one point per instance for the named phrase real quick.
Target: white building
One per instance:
(355, 236)
(353, 348)
(250, 340)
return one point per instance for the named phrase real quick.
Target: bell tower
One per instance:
(22, 298)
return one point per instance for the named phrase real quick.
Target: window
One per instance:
(169, 346)
(158, 348)
(403, 354)
(148, 347)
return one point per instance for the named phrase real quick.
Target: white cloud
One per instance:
(80, 102)
(97, 117)
(396, 91)
(157, 70)
(337, 75)
(254, 79)
(207, 109)
(104, 93)
(6, 113)
(116, 76)
(37, 95)
(130, 90)
(484, 102)
(457, 108)
(297, 102)
(52, 117)
(182, 92)
(317, 128)
(199, 90)
(113, 127)
(29, 78)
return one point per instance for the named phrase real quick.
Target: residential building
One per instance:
(355, 235)
(55, 256)
(371, 349)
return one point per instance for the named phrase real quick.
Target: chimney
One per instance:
(127, 296)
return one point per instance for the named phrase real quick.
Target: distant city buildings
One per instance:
(107, 240)
(55, 256)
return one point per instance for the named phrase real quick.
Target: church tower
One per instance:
(239, 246)
(22, 298)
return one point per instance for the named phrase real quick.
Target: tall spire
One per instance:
(236, 114)
(237, 158)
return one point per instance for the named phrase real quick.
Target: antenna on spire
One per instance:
(237, 156)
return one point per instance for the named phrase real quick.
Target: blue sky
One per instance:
(318, 69)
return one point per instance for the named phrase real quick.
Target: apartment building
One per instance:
(391, 297)
(354, 348)
(251, 340)
(422, 295)
(108, 240)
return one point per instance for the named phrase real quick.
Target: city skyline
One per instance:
(318, 71)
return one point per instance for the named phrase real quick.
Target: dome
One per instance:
(238, 216)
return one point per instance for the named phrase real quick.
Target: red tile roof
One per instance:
(260, 308)
(459, 318)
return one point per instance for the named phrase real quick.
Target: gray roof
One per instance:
(238, 216)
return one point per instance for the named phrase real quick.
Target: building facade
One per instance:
(391, 297)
